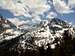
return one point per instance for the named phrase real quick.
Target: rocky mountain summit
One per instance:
(5, 24)
(7, 29)
(50, 38)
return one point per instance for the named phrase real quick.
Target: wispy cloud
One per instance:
(71, 3)
(52, 15)
(26, 8)
(33, 8)
(62, 7)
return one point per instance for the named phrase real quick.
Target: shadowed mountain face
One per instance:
(50, 38)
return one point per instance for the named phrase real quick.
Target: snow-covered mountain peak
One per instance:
(48, 31)
(7, 29)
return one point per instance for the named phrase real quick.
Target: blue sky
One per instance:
(68, 17)
(37, 9)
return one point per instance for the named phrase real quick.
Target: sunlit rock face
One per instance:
(50, 38)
